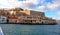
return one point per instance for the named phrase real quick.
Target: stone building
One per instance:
(19, 15)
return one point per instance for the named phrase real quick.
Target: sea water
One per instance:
(18, 29)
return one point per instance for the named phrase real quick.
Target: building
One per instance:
(3, 19)
(19, 15)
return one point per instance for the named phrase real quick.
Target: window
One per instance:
(23, 16)
(29, 17)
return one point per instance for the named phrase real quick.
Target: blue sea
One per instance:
(18, 29)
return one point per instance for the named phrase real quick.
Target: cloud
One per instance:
(57, 18)
(27, 5)
(15, 3)
(8, 3)
(33, 1)
(48, 6)
(31, 4)
(57, 1)
(41, 8)
(52, 6)
(58, 13)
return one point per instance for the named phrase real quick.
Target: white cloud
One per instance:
(8, 3)
(27, 5)
(15, 3)
(41, 8)
(30, 4)
(52, 6)
(57, 18)
(58, 13)
(49, 6)
(57, 1)
(33, 1)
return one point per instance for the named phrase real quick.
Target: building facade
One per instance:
(19, 15)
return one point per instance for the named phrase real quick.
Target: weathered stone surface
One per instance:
(26, 16)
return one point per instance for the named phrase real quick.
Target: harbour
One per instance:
(29, 17)
(18, 29)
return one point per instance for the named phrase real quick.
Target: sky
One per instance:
(51, 8)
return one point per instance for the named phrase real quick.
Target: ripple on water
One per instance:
(17, 29)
